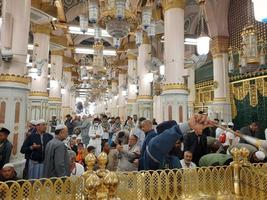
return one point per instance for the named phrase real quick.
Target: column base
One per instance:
(174, 105)
(132, 107)
(221, 110)
(54, 107)
(145, 107)
(13, 106)
(38, 107)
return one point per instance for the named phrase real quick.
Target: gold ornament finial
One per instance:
(236, 154)
(90, 160)
(92, 184)
(244, 152)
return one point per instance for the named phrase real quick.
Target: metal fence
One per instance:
(199, 183)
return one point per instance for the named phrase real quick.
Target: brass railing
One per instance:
(240, 180)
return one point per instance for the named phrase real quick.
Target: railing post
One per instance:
(102, 184)
(236, 172)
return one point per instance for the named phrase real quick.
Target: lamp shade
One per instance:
(203, 45)
(260, 13)
(146, 17)
(120, 9)
(93, 12)
(83, 23)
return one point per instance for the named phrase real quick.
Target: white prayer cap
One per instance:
(223, 124)
(230, 124)
(79, 137)
(60, 127)
(40, 121)
(260, 155)
(8, 165)
(74, 136)
(33, 122)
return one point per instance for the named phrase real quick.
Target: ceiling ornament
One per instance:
(118, 19)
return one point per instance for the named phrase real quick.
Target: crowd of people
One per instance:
(136, 144)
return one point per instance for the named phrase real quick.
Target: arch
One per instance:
(180, 114)
(72, 13)
(78, 39)
(169, 112)
(2, 112)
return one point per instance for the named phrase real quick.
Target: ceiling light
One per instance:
(162, 70)
(30, 46)
(63, 91)
(91, 51)
(190, 41)
(90, 31)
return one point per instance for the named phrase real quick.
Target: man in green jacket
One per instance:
(215, 159)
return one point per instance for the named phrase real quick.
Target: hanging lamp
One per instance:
(203, 40)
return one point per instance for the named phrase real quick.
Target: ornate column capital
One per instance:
(44, 28)
(219, 45)
(57, 52)
(169, 4)
(69, 60)
(61, 40)
(146, 39)
(131, 57)
(67, 69)
(122, 71)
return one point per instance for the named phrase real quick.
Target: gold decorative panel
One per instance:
(205, 92)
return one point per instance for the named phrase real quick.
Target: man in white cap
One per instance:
(230, 137)
(56, 163)
(34, 146)
(8, 173)
(256, 156)
(5, 146)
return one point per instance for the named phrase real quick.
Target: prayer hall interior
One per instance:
(133, 99)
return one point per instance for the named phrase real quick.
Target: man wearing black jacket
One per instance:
(197, 144)
(34, 146)
(5, 147)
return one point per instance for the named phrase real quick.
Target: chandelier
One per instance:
(117, 18)
(98, 60)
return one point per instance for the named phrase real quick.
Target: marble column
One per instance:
(122, 95)
(221, 107)
(175, 93)
(192, 91)
(38, 97)
(13, 80)
(72, 100)
(55, 100)
(144, 99)
(114, 101)
(66, 107)
(132, 85)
